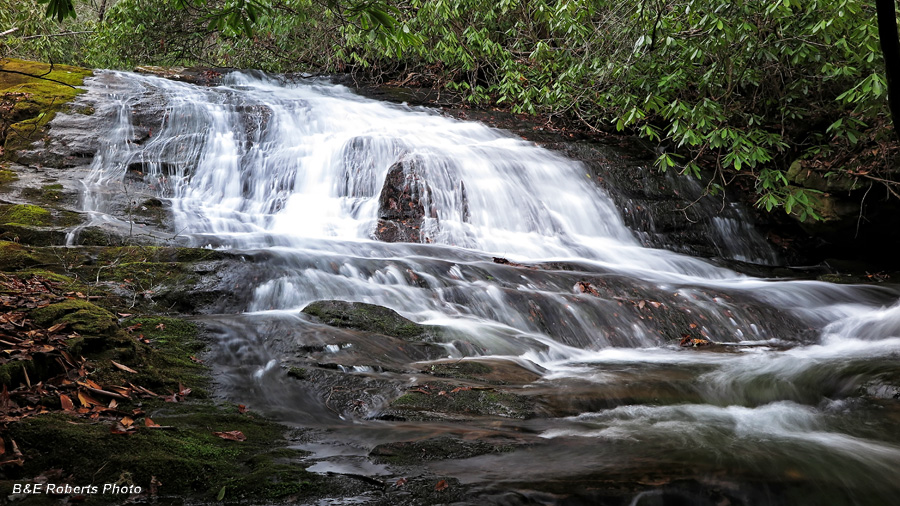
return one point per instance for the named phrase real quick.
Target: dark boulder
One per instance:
(368, 318)
(401, 205)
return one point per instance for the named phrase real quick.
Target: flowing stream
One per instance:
(798, 405)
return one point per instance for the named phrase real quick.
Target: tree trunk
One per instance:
(890, 48)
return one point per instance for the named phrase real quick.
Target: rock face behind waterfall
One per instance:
(401, 205)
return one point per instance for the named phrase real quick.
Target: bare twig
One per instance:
(61, 34)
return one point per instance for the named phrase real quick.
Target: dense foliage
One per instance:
(742, 87)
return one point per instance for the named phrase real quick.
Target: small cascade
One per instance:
(515, 255)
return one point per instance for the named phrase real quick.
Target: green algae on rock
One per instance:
(369, 318)
(33, 101)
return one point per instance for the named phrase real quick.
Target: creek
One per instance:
(522, 260)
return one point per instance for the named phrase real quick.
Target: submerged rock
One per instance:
(369, 318)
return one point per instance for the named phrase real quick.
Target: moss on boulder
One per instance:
(33, 101)
(369, 318)
(81, 316)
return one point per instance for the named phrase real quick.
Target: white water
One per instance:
(296, 170)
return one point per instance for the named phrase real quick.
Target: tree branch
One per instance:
(61, 34)
(38, 76)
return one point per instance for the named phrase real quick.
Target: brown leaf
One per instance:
(442, 485)
(161, 326)
(242, 409)
(56, 327)
(123, 367)
(149, 423)
(86, 400)
(400, 482)
(118, 428)
(66, 402)
(127, 421)
(232, 435)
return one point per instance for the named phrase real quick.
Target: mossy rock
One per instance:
(30, 224)
(441, 401)
(369, 318)
(35, 236)
(7, 176)
(410, 453)
(82, 316)
(25, 214)
(189, 461)
(33, 101)
(14, 257)
(48, 194)
(495, 371)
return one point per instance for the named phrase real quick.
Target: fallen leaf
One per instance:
(242, 409)
(57, 327)
(149, 423)
(400, 482)
(120, 429)
(231, 435)
(127, 421)
(221, 494)
(86, 400)
(66, 402)
(161, 326)
(442, 485)
(123, 367)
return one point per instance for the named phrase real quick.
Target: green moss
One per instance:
(417, 405)
(34, 101)
(188, 461)
(464, 369)
(14, 257)
(7, 176)
(81, 316)
(369, 318)
(47, 194)
(166, 362)
(25, 214)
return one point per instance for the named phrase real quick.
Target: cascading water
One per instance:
(297, 170)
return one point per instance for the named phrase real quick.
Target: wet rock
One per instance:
(438, 448)
(402, 202)
(203, 76)
(447, 401)
(369, 318)
(494, 371)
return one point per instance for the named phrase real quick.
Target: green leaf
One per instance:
(221, 494)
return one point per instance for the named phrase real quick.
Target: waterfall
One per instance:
(523, 257)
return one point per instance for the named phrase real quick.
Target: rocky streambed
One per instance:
(427, 334)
